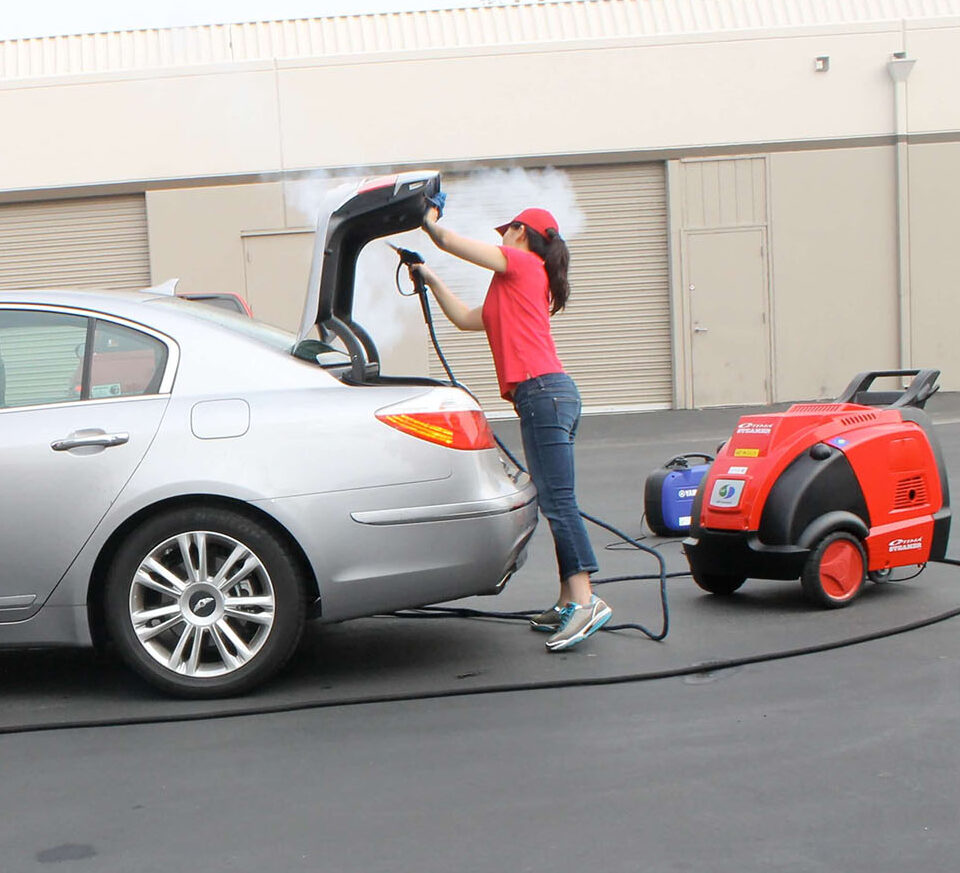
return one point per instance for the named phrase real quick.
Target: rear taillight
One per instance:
(446, 417)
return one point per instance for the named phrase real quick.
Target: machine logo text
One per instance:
(761, 428)
(905, 544)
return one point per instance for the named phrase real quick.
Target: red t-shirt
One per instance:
(516, 317)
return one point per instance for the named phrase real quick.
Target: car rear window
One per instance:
(275, 337)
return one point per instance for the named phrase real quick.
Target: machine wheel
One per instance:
(834, 572)
(717, 583)
(204, 602)
(880, 576)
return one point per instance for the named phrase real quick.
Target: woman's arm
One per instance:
(480, 253)
(453, 307)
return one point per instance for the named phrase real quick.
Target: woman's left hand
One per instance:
(432, 215)
(424, 272)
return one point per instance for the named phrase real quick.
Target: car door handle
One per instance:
(698, 329)
(105, 440)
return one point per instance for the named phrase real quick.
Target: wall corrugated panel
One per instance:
(48, 378)
(523, 24)
(99, 242)
(729, 192)
(614, 336)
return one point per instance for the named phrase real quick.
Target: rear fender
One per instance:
(830, 522)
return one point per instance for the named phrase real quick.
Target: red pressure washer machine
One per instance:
(832, 493)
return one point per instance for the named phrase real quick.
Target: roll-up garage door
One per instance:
(614, 335)
(97, 242)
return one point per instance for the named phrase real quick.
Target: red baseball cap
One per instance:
(539, 219)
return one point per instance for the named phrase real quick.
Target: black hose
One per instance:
(507, 688)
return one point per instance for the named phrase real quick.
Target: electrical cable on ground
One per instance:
(506, 688)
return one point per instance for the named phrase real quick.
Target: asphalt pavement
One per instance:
(763, 734)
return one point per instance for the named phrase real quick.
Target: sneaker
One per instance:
(582, 621)
(552, 619)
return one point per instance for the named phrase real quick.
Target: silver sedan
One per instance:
(193, 485)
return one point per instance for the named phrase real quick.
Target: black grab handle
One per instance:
(921, 388)
(679, 462)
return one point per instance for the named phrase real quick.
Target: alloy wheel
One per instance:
(202, 604)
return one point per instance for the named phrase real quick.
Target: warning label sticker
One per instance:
(746, 453)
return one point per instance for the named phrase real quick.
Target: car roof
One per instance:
(129, 305)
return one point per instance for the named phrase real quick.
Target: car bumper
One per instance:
(374, 559)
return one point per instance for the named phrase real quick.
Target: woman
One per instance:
(529, 285)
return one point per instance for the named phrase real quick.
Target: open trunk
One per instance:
(356, 215)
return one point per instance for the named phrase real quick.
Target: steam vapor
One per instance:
(477, 202)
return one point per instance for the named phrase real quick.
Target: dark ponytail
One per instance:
(556, 258)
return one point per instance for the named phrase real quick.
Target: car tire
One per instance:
(204, 602)
(835, 570)
(719, 583)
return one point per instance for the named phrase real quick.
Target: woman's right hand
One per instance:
(431, 216)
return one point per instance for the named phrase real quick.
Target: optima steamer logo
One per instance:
(905, 544)
(760, 428)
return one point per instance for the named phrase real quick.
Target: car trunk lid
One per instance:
(352, 216)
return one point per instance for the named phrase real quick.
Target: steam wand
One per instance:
(410, 258)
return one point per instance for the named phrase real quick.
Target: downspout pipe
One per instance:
(899, 67)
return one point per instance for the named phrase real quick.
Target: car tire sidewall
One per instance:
(276, 557)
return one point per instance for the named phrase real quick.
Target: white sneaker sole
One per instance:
(598, 622)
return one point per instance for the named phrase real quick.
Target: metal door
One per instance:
(96, 242)
(727, 288)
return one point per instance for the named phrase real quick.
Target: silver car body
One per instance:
(385, 520)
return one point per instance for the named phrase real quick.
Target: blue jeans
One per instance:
(549, 410)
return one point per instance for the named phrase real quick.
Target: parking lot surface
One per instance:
(461, 744)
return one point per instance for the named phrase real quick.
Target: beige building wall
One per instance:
(195, 233)
(214, 146)
(620, 97)
(826, 224)
(615, 98)
(934, 99)
(935, 257)
(88, 130)
(833, 256)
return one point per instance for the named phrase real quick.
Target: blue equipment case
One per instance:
(669, 492)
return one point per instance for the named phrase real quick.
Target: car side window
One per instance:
(125, 362)
(44, 358)
(39, 354)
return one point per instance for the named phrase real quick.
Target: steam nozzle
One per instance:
(407, 257)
